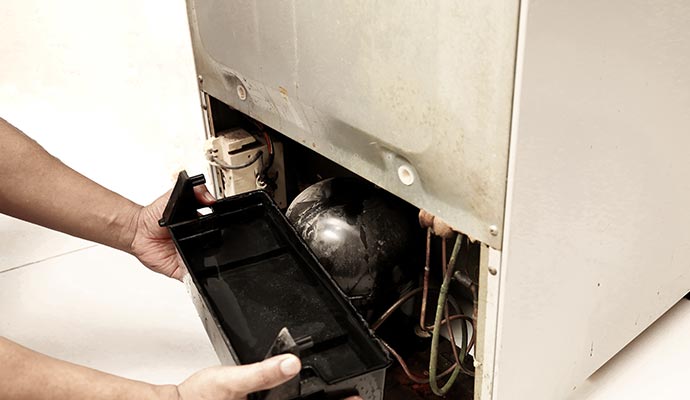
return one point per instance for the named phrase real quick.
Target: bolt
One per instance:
(493, 271)
(200, 79)
(241, 92)
(494, 230)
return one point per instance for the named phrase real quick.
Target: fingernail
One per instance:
(209, 197)
(290, 366)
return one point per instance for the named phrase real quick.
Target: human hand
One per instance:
(152, 244)
(235, 383)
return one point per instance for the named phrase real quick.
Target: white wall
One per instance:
(107, 86)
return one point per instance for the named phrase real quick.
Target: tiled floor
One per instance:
(31, 243)
(99, 307)
(653, 366)
(96, 306)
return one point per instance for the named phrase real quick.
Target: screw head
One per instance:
(494, 230)
(241, 92)
(493, 271)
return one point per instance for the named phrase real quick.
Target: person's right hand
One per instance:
(235, 383)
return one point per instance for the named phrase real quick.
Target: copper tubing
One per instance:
(465, 318)
(422, 314)
(394, 307)
(447, 320)
(411, 375)
(405, 298)
(422, 320)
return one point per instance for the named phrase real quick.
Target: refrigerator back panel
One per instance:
(415, 98)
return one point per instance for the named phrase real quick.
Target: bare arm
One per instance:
(39, 188)
(30, 375)
(27, 375)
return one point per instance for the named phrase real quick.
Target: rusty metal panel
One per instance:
(414, 97)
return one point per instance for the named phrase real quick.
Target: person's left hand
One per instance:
(152, 244)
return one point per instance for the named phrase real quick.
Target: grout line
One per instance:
(48, 258)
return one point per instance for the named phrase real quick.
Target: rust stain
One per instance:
(283, 91)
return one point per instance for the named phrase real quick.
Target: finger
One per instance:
(354, 398)
(181, 271)
(203, 195)
(266, 374)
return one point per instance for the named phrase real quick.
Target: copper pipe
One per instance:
(394, 307)
(427, 269)
(411, 375)
(447, 320)
(405, 298)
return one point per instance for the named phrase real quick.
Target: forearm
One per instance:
(30, 375)
(39, 188)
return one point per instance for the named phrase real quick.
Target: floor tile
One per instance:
(99, 307)
(23, 243)
(653, 366)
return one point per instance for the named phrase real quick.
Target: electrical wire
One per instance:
(213, 160)
(271, 152)
(269, 143)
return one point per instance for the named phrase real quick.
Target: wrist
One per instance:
(167, 392)
(126, 224)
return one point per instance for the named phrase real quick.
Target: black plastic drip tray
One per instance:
(256, 277)
(254, 308)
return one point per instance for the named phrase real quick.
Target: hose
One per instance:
(433, 360)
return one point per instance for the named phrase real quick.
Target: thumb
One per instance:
(266, 374)
(203, 195)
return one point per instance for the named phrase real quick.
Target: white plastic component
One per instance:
(237, 148)
(406, 175)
